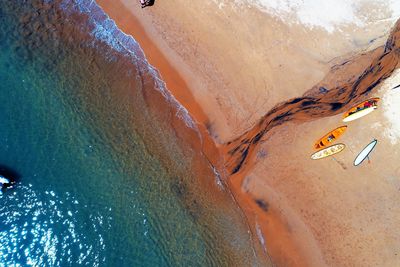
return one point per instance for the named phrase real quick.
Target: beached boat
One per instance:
(330, 137)
(328, 151)
(361, 109)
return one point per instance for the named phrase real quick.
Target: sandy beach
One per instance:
(232, 67)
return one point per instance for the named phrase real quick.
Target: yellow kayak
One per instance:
(328, 151)
(330, 137)
(361, 109)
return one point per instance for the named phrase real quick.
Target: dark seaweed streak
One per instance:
(243, 158)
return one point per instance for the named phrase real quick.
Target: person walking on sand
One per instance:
(145, 3)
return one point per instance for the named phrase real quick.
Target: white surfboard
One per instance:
(365, 153)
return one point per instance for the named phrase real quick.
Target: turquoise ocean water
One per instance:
(104, 180)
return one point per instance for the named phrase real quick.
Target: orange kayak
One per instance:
(361, 109)
(330, 137)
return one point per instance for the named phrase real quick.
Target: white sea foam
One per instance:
(327, 14)
(218, 178)
(390, 105)
(108, 32)
(260, 236)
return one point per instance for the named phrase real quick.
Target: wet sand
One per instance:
(232, 94)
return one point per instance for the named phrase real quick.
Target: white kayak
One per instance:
(328, 151)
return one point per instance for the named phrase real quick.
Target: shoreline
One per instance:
(278, 229)
(129, 24)
(180, 90)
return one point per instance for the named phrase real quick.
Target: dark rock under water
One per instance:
(9, 174)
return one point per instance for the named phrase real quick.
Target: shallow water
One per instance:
(104, 180)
